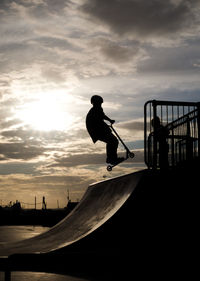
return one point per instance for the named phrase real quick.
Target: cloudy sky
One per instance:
(55, 54)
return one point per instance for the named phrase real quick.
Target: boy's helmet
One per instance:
(96, 99)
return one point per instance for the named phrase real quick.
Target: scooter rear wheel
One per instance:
(109, 168)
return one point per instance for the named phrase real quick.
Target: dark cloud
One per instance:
(5, 3)
(26, 134)
(88, 159)
(9, 123)
(19, 56)
(177, 94)
(13, 52)
(116, 53)
(79, 134)
(53, 75)
(79, 159)
(141, 17)
(132, 125)
(16, 47)
(20, 151)
(179, 58)
(19, 133)
(50, 7)
(57, 179)
(51, 180)
(17, 168)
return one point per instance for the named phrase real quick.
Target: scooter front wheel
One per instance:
(131, 154)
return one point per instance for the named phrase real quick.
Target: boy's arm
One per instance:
(108, 119)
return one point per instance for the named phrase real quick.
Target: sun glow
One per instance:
(47, 112)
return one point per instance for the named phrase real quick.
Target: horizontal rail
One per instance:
(178, 103)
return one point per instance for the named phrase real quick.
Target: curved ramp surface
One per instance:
(98, 205)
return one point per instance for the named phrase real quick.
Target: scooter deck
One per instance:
(110, 166)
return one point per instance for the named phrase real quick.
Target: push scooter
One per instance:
(129, 154)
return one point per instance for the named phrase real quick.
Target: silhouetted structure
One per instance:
(44, 205)
(48, 217)
(16, 206)
(174, 139)
(14, 214)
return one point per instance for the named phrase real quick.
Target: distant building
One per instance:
(71, 205)
(16, 206)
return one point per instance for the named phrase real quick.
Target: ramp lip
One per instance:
(116, 177)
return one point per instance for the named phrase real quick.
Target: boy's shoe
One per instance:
(111, 161)
(119, 159)
(115, 161)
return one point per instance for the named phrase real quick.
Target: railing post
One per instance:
(145, 134)
(172, 150)
(189, 150)
(146, 138)
(154, 135)
(198, 125)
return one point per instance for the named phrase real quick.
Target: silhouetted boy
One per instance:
(160, 136)
(99, 130)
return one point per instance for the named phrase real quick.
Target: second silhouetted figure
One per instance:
(99, 130)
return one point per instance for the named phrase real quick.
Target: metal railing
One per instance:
(174, 137)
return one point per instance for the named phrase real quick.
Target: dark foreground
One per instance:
(153, 234)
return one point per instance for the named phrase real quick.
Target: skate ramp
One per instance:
(86, 222)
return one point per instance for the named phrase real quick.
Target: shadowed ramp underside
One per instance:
(100, 202)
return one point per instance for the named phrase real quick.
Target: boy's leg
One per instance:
(111, 147)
